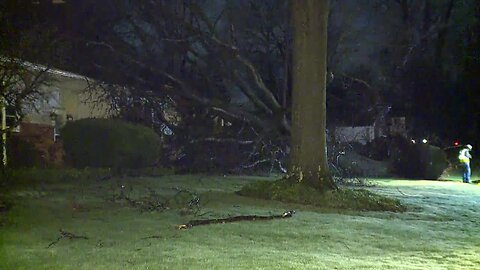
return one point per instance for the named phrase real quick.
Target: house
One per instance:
(63, 99)
(391, 126)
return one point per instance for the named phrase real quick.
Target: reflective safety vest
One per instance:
(464, 156)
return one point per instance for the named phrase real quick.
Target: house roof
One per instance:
(50, 70)
(54, 71)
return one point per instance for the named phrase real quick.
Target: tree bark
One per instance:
(309, 154)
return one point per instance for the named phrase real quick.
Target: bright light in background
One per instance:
(413, 141)
(424, 141)
(456, 143)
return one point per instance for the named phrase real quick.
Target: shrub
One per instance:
(21, 154)
(110, 143)
(417, 161)
(433, 160)
(376, 149)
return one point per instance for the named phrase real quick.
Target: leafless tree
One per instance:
(204, 65)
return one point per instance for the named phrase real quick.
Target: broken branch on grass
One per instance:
(151, 237)
(65, 234)
(147, 204)
(408, 194)
(199, 222)
(203, 214)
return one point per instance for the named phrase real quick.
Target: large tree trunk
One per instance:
(309, 155)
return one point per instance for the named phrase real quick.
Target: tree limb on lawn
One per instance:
(222, 140)
(199, 222)
(65, 234)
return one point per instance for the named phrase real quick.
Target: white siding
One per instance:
(362, 134)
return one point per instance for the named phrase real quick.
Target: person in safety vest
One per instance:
(464, 157)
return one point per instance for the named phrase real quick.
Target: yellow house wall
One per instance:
(72, 100)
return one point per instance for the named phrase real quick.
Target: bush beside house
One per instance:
(417, 161)
(22, 153)
(403, 157)
(434, 160)
(110, 143)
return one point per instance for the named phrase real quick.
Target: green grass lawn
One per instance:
(439, 231)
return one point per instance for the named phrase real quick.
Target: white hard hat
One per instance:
(469, 146)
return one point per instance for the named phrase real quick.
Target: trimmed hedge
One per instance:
(110, 143)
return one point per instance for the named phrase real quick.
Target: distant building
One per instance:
(360, 134)
(391, 126)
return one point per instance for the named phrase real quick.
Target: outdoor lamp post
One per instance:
(4, 131)
(53, 117)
